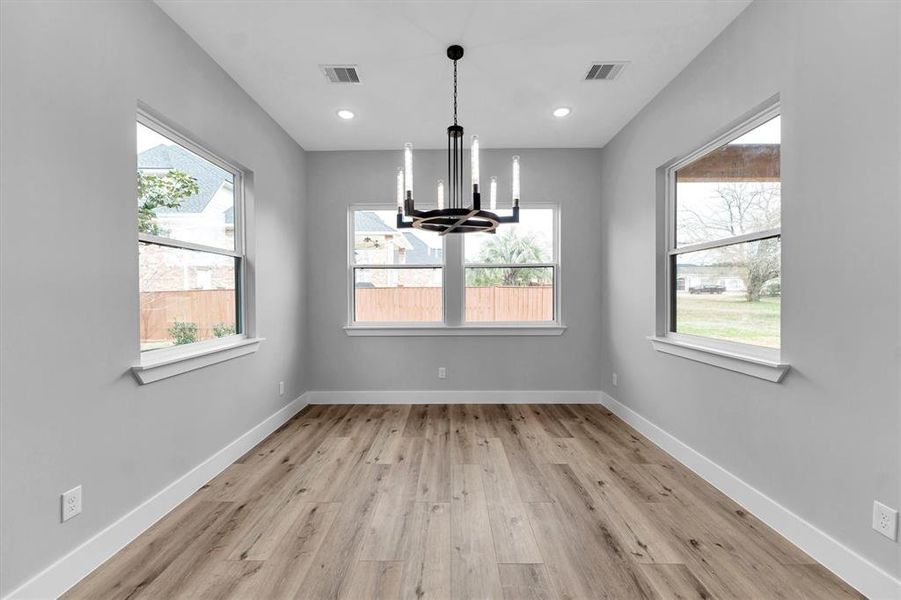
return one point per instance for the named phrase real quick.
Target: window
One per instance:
(724, 248)
(396, 274)
(418, 279)
(191, 254)
(510, 275)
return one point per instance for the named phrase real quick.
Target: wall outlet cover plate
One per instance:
(71, 503)
(885, 520)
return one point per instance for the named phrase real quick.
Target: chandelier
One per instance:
(454, 214)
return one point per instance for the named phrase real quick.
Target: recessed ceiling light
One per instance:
(346, 114)
(561, 112)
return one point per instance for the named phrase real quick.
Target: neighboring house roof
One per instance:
(416, 250)
(420, 252)
(368, 222)
(209, 177)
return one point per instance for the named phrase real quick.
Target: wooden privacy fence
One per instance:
(206, 308)
(500, 303)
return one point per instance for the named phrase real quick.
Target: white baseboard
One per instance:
(76, 565)
(857, 571)
(456, 397)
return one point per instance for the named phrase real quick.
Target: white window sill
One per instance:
(762, 364)
(444, 330)
(160, 364)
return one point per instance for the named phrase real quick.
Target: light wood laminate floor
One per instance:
(459, 501)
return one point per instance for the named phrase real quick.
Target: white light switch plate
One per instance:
(885, 520)
(71, 503)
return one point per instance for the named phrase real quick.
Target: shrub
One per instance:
(222, 330)
(183, 333)
(772, 289)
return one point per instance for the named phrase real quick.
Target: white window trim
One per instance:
(756, 361)
(719, 353)
(168, 362)
(154, 365)
(454, 290)
(495, 329)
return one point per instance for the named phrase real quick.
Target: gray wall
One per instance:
(339, 362)
(825, 443)
(71, 412)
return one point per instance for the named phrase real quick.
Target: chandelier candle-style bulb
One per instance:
(474, 159)
(408, 169)
(515, 180)
(493, 193)
(400, 188)
(440, 194)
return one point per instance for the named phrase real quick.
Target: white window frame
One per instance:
(167, 362)
(757, 361)
(554, 264)
(454, 289)
(352, 266)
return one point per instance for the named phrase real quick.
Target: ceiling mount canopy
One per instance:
(454, 214)
(455, 52)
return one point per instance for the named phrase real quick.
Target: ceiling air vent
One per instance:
(341, 73)
(604, 71)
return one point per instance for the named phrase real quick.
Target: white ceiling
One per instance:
(523, 59)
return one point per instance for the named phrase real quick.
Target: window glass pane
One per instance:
(731, 191)
(510, 294)
(397, 295)
(181, 195)
(731, 293)
(378, 242)
(529, 241)
(186, 296)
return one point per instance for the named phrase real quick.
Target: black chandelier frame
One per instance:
(456, 217)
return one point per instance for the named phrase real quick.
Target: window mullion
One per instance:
(454, 281)
(174, 243)
(399, 266)
(730, 241)
(523, 265)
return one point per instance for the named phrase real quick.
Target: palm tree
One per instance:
(510, 247)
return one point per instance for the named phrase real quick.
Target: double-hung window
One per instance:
(407, 280)
(724, 243)
(396, 275)
(510, 275)
(190, 244)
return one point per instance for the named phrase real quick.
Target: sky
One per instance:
(148, 138)
(768, 133)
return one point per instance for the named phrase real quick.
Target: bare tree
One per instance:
(735, 209)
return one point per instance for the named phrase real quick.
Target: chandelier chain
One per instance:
(455, 92)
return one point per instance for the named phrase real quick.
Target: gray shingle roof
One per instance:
(209, 177)
(370, 222)
(420, 253)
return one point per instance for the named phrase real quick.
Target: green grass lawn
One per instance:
(730, 317)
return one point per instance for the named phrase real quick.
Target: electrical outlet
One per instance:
(615, 380)
(71, 503)
(885, 520)
(281, 388)
(442, 373)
